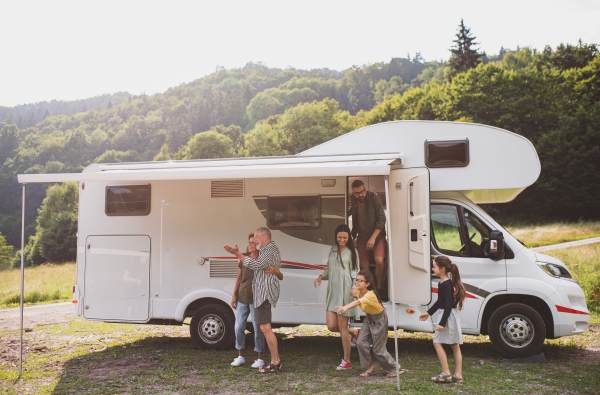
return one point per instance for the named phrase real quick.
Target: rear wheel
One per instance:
(516, 330)
(212, 327)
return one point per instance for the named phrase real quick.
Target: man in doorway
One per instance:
(265, 288)
(368, 227)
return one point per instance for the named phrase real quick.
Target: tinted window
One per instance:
(453, 153)
(479, 234)
(294, 212)
(128, 200)
(446, 230)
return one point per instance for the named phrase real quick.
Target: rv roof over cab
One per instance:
(500, 163)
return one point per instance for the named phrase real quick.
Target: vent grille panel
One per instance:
(224, 268)
(223, 189)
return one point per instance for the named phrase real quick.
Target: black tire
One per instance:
(516, 330)
(212, 327)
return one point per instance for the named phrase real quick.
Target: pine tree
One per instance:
(464, 56)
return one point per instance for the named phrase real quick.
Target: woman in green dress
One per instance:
(341, 270)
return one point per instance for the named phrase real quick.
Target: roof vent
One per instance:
(220, 189)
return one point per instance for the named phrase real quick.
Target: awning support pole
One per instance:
(391, 269)
(22, 281)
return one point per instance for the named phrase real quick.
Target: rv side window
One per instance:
(445, 224)
(127, 200)
(293, 212)
(449, 153)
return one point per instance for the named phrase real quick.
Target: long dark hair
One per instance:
(369, 278)
(443, 262)
(349, 244)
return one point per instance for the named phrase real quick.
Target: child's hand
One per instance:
(439, 328)
(423, 317)
(341, 310)
(353, 293)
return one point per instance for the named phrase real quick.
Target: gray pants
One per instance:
(374, 331)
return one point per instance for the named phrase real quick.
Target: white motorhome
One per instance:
(151, 235)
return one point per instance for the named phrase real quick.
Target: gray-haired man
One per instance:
(265, 288)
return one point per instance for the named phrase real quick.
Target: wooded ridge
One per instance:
(551, 96)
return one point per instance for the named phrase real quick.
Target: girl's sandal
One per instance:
(366, 373)
(271, 368)
(442, 378)
(400, 372)
(457, 379)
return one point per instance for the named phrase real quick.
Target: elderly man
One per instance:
(265, 288)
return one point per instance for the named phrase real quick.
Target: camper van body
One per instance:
(165, 262)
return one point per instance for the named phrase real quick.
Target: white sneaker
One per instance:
(238, 361)
(258, 363)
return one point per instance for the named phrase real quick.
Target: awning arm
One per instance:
(391, 268)
(22, 283)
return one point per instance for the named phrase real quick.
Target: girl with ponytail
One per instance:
(451, 295)
(374, 330)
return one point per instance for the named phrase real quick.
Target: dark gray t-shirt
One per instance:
(244, 293)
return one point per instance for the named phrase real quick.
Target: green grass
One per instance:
(43, 284)
(102, 358)
(554, 233)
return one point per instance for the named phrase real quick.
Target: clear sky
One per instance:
(68, 50)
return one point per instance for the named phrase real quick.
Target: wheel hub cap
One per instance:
(211, 329)
(517, 331)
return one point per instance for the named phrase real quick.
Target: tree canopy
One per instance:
(549, 96)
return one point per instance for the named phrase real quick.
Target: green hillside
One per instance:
(551, 96)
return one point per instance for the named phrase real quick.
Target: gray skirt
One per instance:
(452, 333)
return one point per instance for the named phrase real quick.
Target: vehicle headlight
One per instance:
(554, 270)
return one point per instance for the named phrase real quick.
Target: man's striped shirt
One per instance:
(265, 286)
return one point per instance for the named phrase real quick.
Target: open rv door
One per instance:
(408, 207)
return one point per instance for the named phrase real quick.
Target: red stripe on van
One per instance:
(286, 262)
(568, 310)
(435, 290)
(304, 265)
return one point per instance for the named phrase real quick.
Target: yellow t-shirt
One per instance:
(369, 303)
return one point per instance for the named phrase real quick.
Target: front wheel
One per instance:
(516, 330)
(212, 327)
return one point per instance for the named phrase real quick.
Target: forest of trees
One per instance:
(551, 96)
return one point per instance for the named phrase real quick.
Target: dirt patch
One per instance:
(33, 316)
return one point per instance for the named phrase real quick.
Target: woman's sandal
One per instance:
(270, 368)
(442, 378)
(366, 373)
(457, 379)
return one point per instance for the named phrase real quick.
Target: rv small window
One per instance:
(293, 212)
(127, 200)
(450, 153)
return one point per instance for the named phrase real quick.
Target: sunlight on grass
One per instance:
(542, 235)
(42, 284)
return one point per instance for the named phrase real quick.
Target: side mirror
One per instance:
(496, 246)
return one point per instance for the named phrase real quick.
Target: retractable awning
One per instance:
(355, 165)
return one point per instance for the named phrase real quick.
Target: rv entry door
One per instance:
(117, 278)
(410, 235)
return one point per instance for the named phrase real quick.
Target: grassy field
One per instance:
(43, 284)
(542, 235)
(102, 358)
